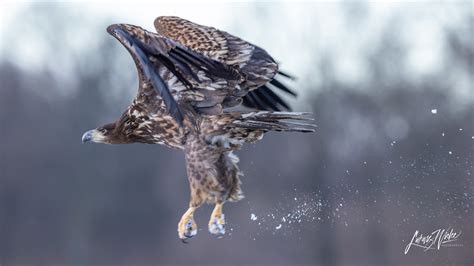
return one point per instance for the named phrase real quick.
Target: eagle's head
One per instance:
(103, 134)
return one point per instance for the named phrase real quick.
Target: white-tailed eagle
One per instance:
(189, 75)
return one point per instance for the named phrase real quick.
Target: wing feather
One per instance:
(255, 64)
(146, 69)
(267, 101)
(252, 61)
(150, 50)
(185, 63)
(274, 98)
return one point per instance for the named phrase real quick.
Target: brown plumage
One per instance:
(188, 75)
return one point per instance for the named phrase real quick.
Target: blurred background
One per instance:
(391, 88)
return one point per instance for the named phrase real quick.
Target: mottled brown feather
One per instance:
(253, 62)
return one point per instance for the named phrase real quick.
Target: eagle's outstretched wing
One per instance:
(156, 57)
(254, 63)
(187, 65)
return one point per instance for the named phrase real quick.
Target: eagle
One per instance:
(190, 76)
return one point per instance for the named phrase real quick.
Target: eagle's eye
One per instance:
(106, 129)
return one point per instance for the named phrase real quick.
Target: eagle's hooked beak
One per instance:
(87, 136)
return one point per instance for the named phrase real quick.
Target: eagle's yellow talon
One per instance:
(217, 225)
(187, 228)
(217, 222)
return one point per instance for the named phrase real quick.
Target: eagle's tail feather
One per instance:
(275, 121)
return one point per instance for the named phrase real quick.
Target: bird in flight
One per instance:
(189, 75)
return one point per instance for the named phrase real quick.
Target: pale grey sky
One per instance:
(298, 34)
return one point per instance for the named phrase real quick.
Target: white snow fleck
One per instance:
(253, 217)
(460, 129)
(450, 152)
(300, 211)
(434, 111)
(442, 134)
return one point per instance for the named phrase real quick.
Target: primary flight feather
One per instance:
(189, 75)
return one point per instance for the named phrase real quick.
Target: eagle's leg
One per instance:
(217, 222)
(187, 228)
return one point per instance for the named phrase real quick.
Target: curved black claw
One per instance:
(187, 231)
